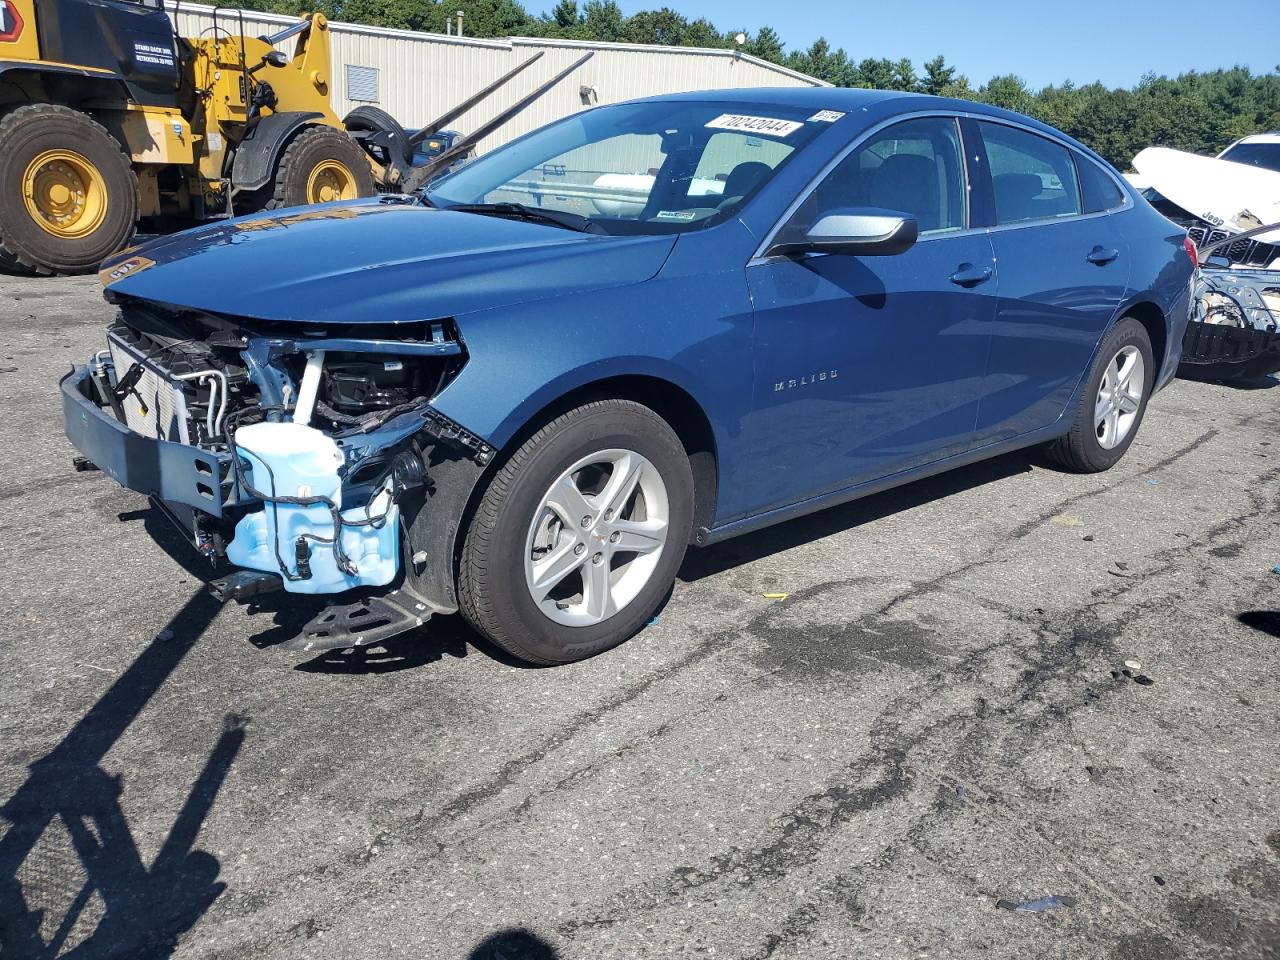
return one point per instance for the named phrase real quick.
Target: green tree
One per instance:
(766, 44)
(603, 20)
(1007, 91)
(937, 75)
(703, 33)
(565, 14)
(874, 74)
(664, 26)
(824, 63)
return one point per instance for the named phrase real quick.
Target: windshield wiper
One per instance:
(520, 211)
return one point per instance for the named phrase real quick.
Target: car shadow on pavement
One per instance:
(1264, 381)
(516, 943)
(277, 618)
(73, 882)
(1264, 621)
(747, 548)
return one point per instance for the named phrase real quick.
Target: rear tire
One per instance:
(320, 165)
(1103, 430)
(496, 589)
(68, 194)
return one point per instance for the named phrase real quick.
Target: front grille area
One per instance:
(1249, 252)
(156, 406)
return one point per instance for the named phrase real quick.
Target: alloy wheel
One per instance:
(1119, 400)
(596, 537)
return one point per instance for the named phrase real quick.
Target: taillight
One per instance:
(1190, 246)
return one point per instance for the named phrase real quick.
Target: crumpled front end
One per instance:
(1235, 330)
(307, 460)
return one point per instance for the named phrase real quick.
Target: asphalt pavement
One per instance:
(933, 727)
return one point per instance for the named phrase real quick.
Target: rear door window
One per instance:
(1032, 178)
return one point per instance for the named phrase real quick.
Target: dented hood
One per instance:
(375, 261)
(1233, 196)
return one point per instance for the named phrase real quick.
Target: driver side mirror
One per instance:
(862, 233)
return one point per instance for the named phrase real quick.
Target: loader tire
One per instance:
(68, 195)
(320, 165)
(376, 120)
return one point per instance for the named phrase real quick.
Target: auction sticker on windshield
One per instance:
(769, 126)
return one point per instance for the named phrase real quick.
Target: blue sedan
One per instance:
(523, 393)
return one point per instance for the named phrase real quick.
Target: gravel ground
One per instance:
(932, 721)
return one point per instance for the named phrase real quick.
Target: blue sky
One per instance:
(1043, 43)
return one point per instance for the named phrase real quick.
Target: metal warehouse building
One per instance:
(418, 76)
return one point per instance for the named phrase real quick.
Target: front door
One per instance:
(868, 366)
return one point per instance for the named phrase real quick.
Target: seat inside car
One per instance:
(908, 183)
(1016, 195)
(744, 178)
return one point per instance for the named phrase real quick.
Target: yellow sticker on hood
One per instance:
(124, 268)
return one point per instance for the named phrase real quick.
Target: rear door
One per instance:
(1063, 274)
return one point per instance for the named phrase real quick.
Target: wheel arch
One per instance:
(664, 397)
(55, 83)
(258, 153)
(1153, 321)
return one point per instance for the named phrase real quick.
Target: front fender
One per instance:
(692, 332)
(256, 156)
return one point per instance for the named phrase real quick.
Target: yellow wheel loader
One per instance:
(108, 118)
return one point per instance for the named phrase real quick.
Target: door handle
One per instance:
(1102, 255)
(967, 275)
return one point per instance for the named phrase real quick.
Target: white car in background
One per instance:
(1230, 205)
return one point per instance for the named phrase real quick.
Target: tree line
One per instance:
(1197, 111)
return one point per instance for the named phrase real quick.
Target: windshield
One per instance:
(654, 167)
(1265, 155)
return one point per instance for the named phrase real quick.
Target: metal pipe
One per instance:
(300, 27)
(422, 174)
(309, 388)
(212, 422)
(434, 127)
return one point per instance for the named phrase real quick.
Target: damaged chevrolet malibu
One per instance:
(523, 393)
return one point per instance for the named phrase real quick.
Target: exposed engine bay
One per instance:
(305, 458)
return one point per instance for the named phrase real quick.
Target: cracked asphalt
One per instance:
(933, 720)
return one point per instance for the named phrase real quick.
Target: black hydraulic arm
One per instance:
(438, 124)
(425, 172)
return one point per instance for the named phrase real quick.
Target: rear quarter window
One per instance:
(1098, 189)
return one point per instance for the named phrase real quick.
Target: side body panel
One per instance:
(1053, 309)
(690, 326)
(1160, 274)
(131, 40)
(865, 366)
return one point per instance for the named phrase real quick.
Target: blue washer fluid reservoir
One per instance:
(294, 460)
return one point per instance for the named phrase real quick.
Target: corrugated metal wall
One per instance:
(421, 75)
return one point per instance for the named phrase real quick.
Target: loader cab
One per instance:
(133, 40)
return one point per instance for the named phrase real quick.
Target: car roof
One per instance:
(849, 99)
(804, 97)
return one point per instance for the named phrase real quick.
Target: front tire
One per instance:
(68, 194)
(579, 535)
(1113, 402)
